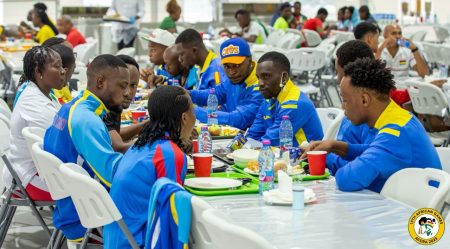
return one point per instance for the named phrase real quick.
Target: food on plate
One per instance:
(229, 131)
(253, 165)
(296, 170)
(215, 130)
(126, 115)
(279, 165)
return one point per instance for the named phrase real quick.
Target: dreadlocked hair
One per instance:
(35, 58)
(371, 74)
(165, 107)
(46, 20)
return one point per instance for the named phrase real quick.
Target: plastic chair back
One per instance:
(4, 109)
(411, 186)
(331, 119)
(225, 234)
(426, 98)
(444, 157)
(92, 202)
(274, 37)
(199, 235)
(4, 135)
(33, 135)
(306, 59)
(127, 51)
(344, 36)
(312, 38)
(86, 51)
(48, 168)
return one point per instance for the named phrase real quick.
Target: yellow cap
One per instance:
(233, 59)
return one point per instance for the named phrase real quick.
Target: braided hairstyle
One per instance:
(371, 74)
(165, 107)
(35, 58)
(45, 20)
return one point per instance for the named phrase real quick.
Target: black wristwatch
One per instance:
(415, 50)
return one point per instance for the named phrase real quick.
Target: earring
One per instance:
(41, 77)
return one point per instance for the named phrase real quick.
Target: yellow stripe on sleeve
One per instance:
(216, 78)
(390, 131)
(173, 209)
(289, 107)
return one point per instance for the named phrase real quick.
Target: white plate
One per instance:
(243, 156)
(212, 183)
(251, 172)
(274, 197)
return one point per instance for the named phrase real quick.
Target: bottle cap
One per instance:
(212, 90)
(285, 117)
(266, 142)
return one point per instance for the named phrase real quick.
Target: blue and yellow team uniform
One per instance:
(191, 80)
(239, 102)
(77, 135)
(352, 134)
(401, 142)
(169, 216)
(212, 73)
(132, 184)
(294, 103)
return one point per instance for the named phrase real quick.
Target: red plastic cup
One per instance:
(195, 145)
(202, 164)
(137, 114)
(317, 162)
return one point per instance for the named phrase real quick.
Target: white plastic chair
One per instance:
(6, 120)
(224, 234)
(331, 119)
(411, 186)
(92, 202)
(86, 51)
(311, 60)
(198, 237)
(274, 37)
(34, 135)
(312, 38)
(287, 41)
(433, 52)
(419, 36)
(344, 36)
(428, 99)
(441, 33)
(444, 157)
(127, 51)
(4, 109)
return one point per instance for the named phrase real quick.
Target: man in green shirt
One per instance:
(286, 14)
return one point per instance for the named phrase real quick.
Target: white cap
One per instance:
(160, 36)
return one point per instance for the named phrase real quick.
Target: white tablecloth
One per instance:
(337, 220)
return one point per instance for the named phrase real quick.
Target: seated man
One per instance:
(158, 42)
(316, 24)
(251, 31)
(121, 136)
(401, 141)
(368, 33)
(398, 58)
(193, 52)
(78, 134)
(283, 97)
(73, 36)
(283, 22)
(238, 94)
(181, 76)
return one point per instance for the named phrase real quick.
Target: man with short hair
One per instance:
(78, 134)
(251, 31)
(368, 33)
(238, 94)
(400, 59)
(401, 141)
(181, 76)
(285, 18)
(73, 36)
(283, 98)
(316, 24)
(193, 52)
(299, 18)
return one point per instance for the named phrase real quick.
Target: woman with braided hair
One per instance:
(47, 29)
(158, 152)
(36, 107)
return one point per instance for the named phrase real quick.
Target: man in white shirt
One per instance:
(400, 59)
(251, 31)
(125, 33)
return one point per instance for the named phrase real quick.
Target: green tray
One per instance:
(250, 188)
(295, 177)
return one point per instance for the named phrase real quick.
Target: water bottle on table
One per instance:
(286, 135)
(204, 141)
(212, 106)
(265, 162)
(443, 72)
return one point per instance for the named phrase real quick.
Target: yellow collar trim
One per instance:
(209, 58)
(252, 79)
(101, 107)
(285, 91)
(393, 114)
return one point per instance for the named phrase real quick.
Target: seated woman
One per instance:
(36, 107)
(47, 29)
(283, 98)
(158, 152)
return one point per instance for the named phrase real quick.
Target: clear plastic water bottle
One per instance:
(443, 72)
(204, 141)
(211, 31)
(403, 43)
(286, 135)
(265, 161)
(212, 106)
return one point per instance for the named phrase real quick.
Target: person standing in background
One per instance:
(125, 33)
(169, 23)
